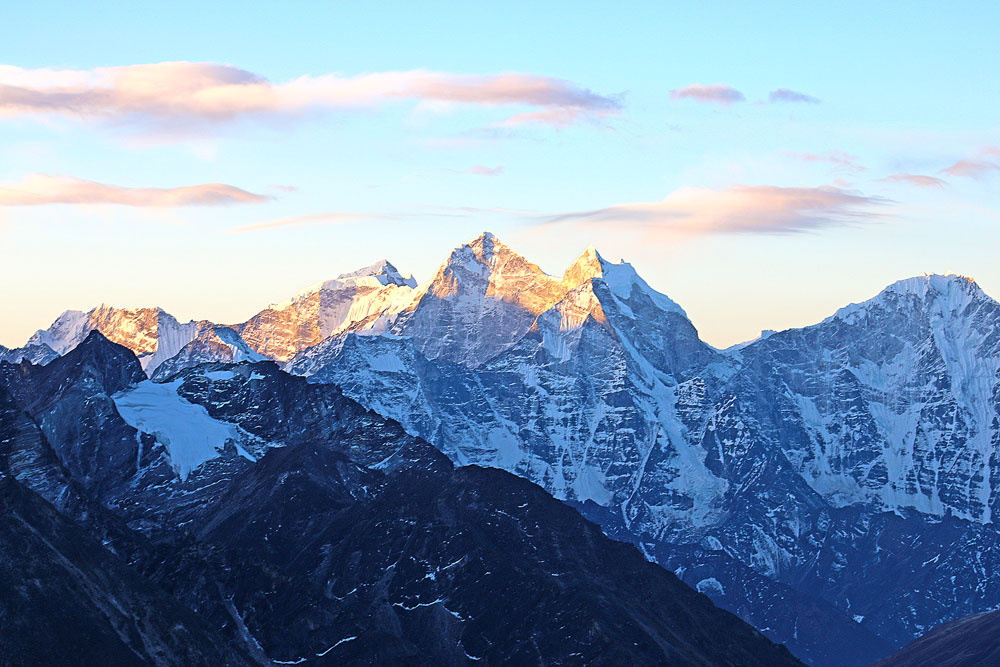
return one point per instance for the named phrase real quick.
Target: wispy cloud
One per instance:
(978, 166)
(919, 180)
(972, 168)
(37, 189)
(165, 93)
(837, 158)
(333, 217)
(788, 95)
(738, 209)
(715, 93)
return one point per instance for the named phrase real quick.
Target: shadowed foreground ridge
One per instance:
(334, 537)
(967, 642)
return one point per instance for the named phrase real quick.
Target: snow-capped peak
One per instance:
(490, 268)
(936, 283)
(377, 275)
(621, 279)
(943, 294)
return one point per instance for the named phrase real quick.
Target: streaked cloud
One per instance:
(38, 189)
(714, 93)
(837, 158)
(919, 180)
(168, 92)
(972, 168)
(738, 209)
(788, 95)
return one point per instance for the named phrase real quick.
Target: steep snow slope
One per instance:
(898, 398)
(190, 436)
(214, 344)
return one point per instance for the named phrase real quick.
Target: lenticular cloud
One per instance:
(172, 91)
(740, 208)
(37, 189)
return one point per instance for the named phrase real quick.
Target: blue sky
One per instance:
(402, 132)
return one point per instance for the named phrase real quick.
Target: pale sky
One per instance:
(762, 164)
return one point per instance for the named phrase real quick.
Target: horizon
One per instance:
(421, 283)
(213, 161)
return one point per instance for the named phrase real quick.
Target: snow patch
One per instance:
(710, 586)
(185, 429)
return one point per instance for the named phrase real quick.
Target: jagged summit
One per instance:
(490, 268)
(944, 294)
(621, 278)
(376, 275)
(938, 283)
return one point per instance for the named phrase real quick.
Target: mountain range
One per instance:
(834, 485)
(254, 518)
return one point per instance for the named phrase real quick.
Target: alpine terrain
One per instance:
(834, 486)
(235, 514)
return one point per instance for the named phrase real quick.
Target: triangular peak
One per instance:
(588, 265)
(490, 264)
(376, 275)
(486, 248)
(621, 278)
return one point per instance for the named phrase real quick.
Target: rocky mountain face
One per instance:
(967, 642)
(213, 344)
(351, 302)
(363, 300)
(36, 354)
(803, 456)
(247, 516)
(781, 477)
(151, 333)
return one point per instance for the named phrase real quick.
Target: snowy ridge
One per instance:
(377, 275)
(151, 333)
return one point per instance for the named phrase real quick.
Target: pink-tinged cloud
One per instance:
(738, 209)
(37, 189)
(837, 158)
(334, 217)
(558, 117)
(972, 168)
(715, 93)
(177, 91)
(787, 95)
(919, 180)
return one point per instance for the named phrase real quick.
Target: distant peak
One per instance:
(948, 293)
(934, 282)
(381, 267)
(375, 275)
(486, 250)
(486, 244)
(588, 265)
(621, 278)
